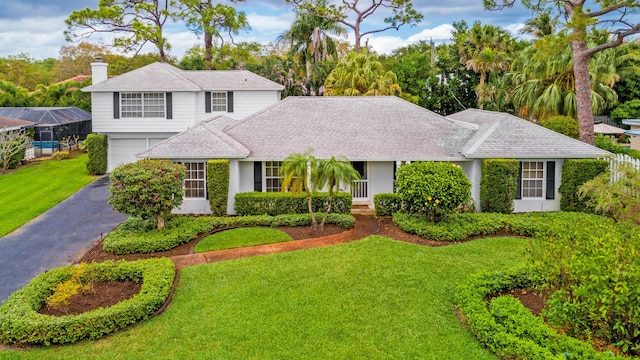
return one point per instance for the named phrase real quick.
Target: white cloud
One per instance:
(386, 44)
(38, 37)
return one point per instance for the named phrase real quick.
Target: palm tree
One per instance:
(332, 173)
(540, 26)
(360, 74)
(297, 170)
(484, 49)
(309, 40)
(542, 83)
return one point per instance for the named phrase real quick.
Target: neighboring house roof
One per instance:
(165, 77)
(204, 140)
(607, 129)
(631, 121)
(13, 124)
(359, 128)
(503, 135)
(46, 116)
(635, 132)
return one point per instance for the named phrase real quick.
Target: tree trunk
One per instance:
(314, 222)
(160, 221)
(483, 76)
(326, 213)
(208, 49)
(583, 90)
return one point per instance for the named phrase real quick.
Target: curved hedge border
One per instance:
(20, 322)
(509, 329)
(134, 236)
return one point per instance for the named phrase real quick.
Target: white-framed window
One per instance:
(272, 178)
(142, 105)
(219, 101)
(532, 179)
(195, 184)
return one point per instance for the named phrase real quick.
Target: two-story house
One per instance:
(139, 109)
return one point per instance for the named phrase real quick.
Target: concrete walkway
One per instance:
(56, 238)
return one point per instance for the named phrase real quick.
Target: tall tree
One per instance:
(484, 49)
(12, 143)
(352, 14)
(540, 26)
(203, 17)
(361, 74)
(309, 41)
(611, 15)
(136, 21)
(12, 95)
(76, 59)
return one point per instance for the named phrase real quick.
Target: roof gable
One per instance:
(165, 77)
(502, 135)
(204, 140)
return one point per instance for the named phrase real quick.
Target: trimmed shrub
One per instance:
(138, 236)
(61, 155)
(277, 203)
(218, 186)
(506, 327)
(20, 322)
(434, 188)
(498, 185)
(97, 146)
(592, 268)
(565, 125)
(576, 172)
(387, 203)
(148, 189)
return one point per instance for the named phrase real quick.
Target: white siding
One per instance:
(124, 146)
(101, 111)
(246, 176)
(193, 206)
(635, 140)
(472, 169)
(380, 177)
(245, 103)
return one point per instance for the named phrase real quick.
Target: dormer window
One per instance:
(142, 105)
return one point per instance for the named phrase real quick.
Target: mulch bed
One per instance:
(102, 294)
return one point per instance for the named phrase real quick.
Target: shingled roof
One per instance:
(371, 128)
(204, 140)
(503, 135)
(165, 77)
(12, 124)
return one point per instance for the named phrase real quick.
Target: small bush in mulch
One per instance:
(21, 323)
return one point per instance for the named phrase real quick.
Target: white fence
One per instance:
(360, 189)
(616, 160)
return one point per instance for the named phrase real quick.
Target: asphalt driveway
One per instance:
(58, 237)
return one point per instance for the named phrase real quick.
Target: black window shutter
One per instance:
(116, 105)
(169, 100)
(229, 101)
(207, 101)
(519, 183)
(257, 176)
(551, 180)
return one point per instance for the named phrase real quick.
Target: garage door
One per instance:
(123, 150)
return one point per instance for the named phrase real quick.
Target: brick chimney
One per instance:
(98, 71)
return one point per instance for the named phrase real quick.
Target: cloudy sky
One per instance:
(35, 27)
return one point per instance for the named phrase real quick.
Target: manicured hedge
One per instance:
(387, 203)
(20, 322)
(97, 147)
(575, 172)
(138, 236)
(506, 327)
(218, 186)
(498, 185)
(278, 203)
(457, 227)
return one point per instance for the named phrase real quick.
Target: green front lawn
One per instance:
(241, 237)
(370, 299)
(32, 190)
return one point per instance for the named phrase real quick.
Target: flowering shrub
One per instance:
(148, 189)
(434, 188)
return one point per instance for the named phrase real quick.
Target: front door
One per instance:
(360, 188)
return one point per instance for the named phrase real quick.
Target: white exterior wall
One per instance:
(101, 111)
(234, 185)
(193, 206)
(245, 103)
(246, 176)
(124, 146)
(380, 178)
(635, 140)
(472, 169)
(542, 204)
